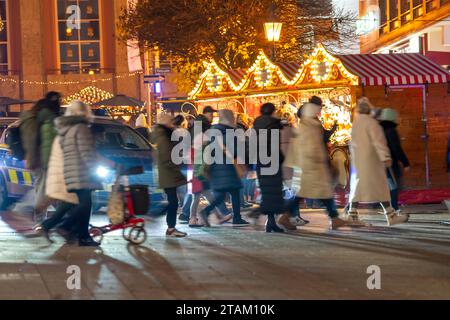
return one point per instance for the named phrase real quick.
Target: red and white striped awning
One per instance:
(394, 69)
(237, 75)
(290, 69)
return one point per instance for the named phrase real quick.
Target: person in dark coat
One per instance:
(170, 176)
(388, 120)
(223, 176)
(271, 185)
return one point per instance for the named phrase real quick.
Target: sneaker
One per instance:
(298, 222)
(183, 219)
(285, 222)
(88, 242)
(174, 233)
(353, 219)
(240, 223)
(392, 218)
(336, 223)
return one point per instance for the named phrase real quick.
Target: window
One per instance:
(79, 49)
(3, 39)
(118, 137)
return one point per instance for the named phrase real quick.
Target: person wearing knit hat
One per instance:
(370, 156)
(389, 121)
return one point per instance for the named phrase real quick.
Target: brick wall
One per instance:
(408, 102)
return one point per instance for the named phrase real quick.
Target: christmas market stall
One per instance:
(415, 86)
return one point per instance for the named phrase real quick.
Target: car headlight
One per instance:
(102, 172)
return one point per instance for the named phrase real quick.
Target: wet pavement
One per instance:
(223, 262)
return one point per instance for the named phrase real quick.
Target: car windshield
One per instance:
(118, 137)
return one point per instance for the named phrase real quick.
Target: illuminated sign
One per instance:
(369, 22)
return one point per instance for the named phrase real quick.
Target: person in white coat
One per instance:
(308, 153)
(370, 156)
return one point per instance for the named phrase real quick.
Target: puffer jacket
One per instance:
(80, 156)
(30, 140)
(224, 176)
(55, 186)
(48, 133)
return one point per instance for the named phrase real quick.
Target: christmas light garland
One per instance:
(89, 95)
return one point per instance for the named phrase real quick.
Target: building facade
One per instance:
(406, 26)
(43, 47)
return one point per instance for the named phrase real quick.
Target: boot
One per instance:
(336, 223)
(393, 218)
(271, 224)
(353, 219)
(285, 222)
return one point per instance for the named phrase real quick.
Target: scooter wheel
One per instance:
(96, 234)
(137, 235)
(126, 233)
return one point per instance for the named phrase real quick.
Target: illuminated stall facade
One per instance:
(410, 83)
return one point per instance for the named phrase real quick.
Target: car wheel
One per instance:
(5, 201)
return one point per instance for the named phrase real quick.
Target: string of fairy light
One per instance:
(72, 82)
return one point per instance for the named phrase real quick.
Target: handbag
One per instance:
(116, 205)
(241, 169)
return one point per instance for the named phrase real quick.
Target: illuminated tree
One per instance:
(231, 32)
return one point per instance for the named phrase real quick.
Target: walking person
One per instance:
(271, 185)
(80, 157)
(370, 157)
(313, 161)
(242, 122)
(224, 178)
(170, 176)
(389, 121)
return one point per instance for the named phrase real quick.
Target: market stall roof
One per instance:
(394, 69)
(6, 101)
(120, 100)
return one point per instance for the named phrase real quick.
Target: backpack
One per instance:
(14, 140)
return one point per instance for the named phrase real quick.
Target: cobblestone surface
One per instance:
(236, 263)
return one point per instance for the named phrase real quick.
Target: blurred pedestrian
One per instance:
(170, 176)
(142, 126)
(389, 121)
(224, 178)
(242, 122)
(313, 161)
(271, 185)
(370, 157)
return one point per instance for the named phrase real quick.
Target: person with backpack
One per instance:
(37, 147)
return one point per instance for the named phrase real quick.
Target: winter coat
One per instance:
(80, 155)
(271, 185)
(308, 153)
(29, 126)
(55, 187)
(48, 133)
(369, 151)
(286, 135)
(224, 176)
(170, 175)
(395, 147)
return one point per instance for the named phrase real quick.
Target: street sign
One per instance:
(163, 70)
(153, 78)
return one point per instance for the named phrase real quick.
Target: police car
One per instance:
(115, 141)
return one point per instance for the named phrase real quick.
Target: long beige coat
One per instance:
(55, 187)
(369, 151)
(308, 153)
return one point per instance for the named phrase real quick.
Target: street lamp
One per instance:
(273, 30)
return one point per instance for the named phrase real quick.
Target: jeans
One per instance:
(394, 199)
(187, 204)
(249, 189)
(330, 205)
(207, 194)
(172, 207)
(78, 221)
(219, 197)
(62, 209)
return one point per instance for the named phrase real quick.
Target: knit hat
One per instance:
(78, 108)
(141, 121)
(316, 100)
(364, 106)
(388, 114)
(165, 119)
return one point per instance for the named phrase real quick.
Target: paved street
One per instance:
(237, 263)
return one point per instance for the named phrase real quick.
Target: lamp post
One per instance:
(273, 32)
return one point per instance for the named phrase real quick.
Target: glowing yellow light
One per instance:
(273, 31)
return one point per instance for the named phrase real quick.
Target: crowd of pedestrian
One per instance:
(63, 152)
